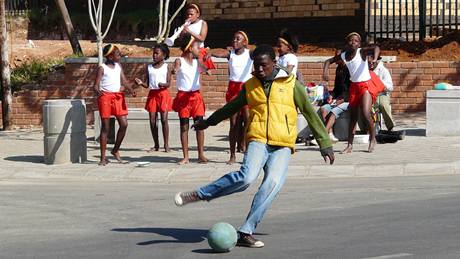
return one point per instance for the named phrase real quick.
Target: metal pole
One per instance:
(388, 18)
(450, 15)
(443, 16)
(456, 15)
(413, 20)
(394, 20)
(407, 21)
(422, 19)
(381, 19)
(368, 18)
(437, 18)
(400, 19)
(431, 18)
(375, 21)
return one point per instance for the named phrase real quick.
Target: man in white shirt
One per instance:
(383, 99)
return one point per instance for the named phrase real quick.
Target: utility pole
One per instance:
(68, 26)
(7, 97)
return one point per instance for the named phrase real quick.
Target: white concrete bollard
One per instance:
(64, 128)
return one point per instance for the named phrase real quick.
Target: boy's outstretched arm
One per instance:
(314, 122)
(223, 113)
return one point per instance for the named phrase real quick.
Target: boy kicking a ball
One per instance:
(273, 95)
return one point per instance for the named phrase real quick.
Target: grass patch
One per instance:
(33, 71)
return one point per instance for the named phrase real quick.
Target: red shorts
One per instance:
(207, 61)
(158, 101)
(233, 90)
(189, 104)
(358, 89)
(112, 104)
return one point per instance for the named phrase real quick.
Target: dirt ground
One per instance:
(444, 48)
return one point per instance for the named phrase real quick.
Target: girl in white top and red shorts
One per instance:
(198, 28)
(239, 68)
(364, 88)
(109, 86)
(158, 100)
(188, 102)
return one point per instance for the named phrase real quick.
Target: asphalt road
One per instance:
(391, 217)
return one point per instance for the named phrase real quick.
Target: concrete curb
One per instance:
(206, 173)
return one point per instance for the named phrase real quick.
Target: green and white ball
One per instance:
(222, 237)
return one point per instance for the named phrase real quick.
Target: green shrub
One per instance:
(33, 71)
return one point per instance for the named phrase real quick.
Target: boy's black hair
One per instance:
(184, 41)
(290, 38)
(164, 48)
(264, 49)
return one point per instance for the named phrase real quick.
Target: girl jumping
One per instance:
(364, 88)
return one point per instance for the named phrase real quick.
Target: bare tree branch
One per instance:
(111, 17)
(160, 21)
(173, 17)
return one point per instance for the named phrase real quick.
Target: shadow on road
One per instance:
(179, 235)
(30, 159)
(205, 251)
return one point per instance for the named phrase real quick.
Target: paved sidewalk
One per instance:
(22, 157)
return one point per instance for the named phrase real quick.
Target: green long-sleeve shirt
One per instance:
(300, 100)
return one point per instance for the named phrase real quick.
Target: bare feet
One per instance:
(202, 160)
(118, 158)
(231, 161)
(152, 149)
(347, 150)
(167, 150)
(103, 162)
(372, 145)
(183, 161)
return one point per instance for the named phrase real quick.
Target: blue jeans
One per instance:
(273, 160)
(336, 109)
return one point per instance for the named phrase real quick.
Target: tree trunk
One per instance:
(7, 98)
(67, 22)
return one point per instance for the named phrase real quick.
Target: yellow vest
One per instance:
(273, 120)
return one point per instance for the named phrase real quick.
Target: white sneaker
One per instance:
(182, 198)
(333, 138)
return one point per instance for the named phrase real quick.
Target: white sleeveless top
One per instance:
(358, 68)
(240, 66)
(289, 60)
(157, 75)
(196, 28)
(188, 76)
(111, 80)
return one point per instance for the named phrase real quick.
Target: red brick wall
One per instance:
(411, 80)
